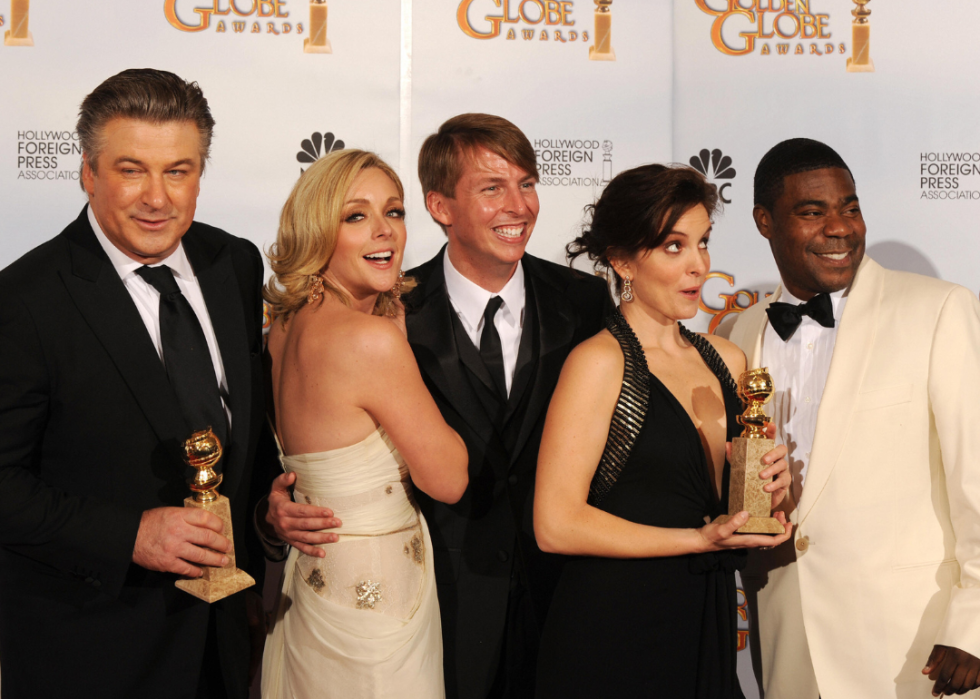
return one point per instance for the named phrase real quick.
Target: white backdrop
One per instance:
(569, 106)
(401, 67)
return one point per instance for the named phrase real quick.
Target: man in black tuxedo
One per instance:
(491, 326)
(118, 338)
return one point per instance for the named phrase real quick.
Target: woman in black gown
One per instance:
(632, 467)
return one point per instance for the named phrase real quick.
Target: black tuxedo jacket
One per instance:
(477, 540)
(89, 438)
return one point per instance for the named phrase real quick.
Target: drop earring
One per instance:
(316, 288)
(396, 290)
(627, 294)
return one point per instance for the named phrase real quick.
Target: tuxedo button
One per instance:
(512, 479)
(803, 543)
(502, 556)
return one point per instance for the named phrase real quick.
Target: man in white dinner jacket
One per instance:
(877, 377)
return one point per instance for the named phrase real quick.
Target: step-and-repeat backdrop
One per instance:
(709, 83)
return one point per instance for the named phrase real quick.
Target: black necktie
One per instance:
(490, 350)
(786, 317)
(186, 355)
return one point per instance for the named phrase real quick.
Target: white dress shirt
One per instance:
(469, 300)
(147, 300)
(799, 368)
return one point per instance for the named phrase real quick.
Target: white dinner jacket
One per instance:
(885, 557)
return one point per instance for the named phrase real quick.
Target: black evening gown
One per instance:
(651, 627)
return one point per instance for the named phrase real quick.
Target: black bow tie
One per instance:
(786, 317)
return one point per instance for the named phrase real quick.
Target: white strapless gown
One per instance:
(364, 620)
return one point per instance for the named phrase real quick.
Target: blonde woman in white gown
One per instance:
(358, 617)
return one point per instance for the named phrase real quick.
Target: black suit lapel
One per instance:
(526, 353)
(478, 375)
(556, 327)
(219, 285)
(430, 333)
(469, 354)
(102, 299)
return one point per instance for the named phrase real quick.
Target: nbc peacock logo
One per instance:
(715, 165)
(316, 146)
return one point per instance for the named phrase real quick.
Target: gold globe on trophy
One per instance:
(202, 452)
(755, 390)
(745, 489)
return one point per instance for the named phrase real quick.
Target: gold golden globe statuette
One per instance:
(745, 487)
(860, 60)
(19, 34)
(317, 41)
(602, 50)
(202, 451)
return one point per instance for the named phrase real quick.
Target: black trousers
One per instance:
(519, 655)
(211, 684)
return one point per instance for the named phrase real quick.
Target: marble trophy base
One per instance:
(217, 583)
(745, 487)
(310, 47)
(10, 40)
(755, 525)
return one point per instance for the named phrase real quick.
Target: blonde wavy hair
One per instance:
(308, 228)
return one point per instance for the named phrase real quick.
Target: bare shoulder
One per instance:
(597, 359)
(331, 339)
(371, 338)
(733, 356)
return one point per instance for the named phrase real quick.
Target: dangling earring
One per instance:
(627, 294)
(396, 290)
(316, 288)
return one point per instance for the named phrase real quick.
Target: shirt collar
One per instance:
(126, 266)
(470, 299)
(837, 298)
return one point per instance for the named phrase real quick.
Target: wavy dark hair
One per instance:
(637, 210)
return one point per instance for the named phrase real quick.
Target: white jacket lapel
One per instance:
(852, 353)
(749, 335)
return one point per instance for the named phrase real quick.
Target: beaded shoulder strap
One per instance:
(630, 413)
(634, 400)
(712, 359)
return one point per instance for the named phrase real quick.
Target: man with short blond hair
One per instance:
(491, 326)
